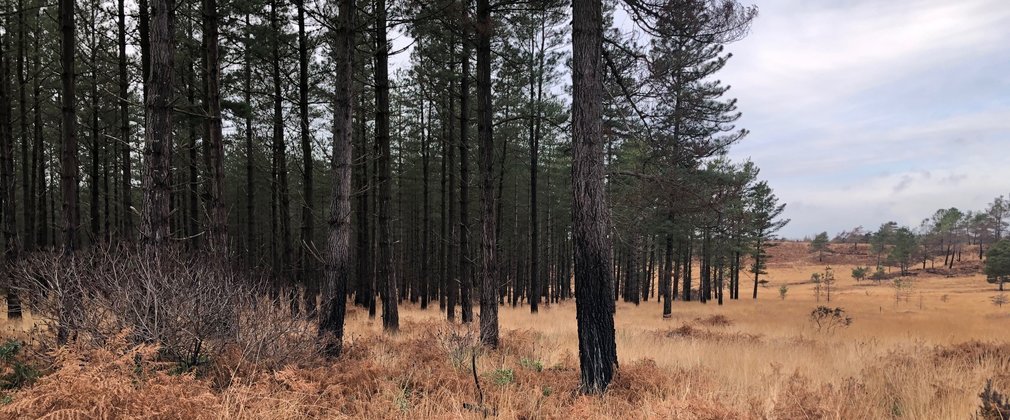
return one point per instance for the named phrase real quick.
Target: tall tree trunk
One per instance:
(453, 283)
(465, 265)
(217, 224)
(94, 215)
(26, 198)
(593, 305)
(306, 269)
(390, 316)
(280, 155)
(534, 211)
(364, 293)
(444, 204)
(7, 183)
(250, 191)
(757, 264)
(489, 265)
(664, 277)
(191, 197)
(39, 165)
(426, 205)
(338, 264)
(69, 171)
(124, 130)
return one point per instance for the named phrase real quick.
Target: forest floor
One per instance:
(925, 353)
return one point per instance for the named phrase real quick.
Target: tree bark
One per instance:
(338, 264)
(590, 224)
(125, 189)
(250, 192)
(94, 214)
(7, 183)
(426, 205)
(305, 262)
(217, 226)
(69, 171)
(390, 316)
(452, 285)
(489, 265)
(465, 266)
(664, 277)
(280, 153)
(26, 181)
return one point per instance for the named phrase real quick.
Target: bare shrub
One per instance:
(828, 320)
(459, 342)
(192, 307)
(715, 321)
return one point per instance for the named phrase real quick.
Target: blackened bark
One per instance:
(125, 179)
(69, 171)
(26, 196)
(489, 265)
(590, 224)
(94, 215)
(217, 226)
(664, 277)
(390, 316)
(465, 266)
(443, 224)
(338, 264)
(534, 213)
(305, 246)
(250, 228)
(8, 208)
(280, 148)
(426, 208)
(364, 293)
(452, 285)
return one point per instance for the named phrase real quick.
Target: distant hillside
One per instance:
(798, 253)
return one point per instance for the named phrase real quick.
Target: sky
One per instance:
(866, 111)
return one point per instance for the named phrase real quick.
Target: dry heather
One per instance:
(923, 354)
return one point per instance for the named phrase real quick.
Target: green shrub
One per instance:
(532, 364)
(503, 376)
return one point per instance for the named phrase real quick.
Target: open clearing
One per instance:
(926, 354)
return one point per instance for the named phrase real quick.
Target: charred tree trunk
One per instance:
(125, 179)
(26, 198)
(305, 263)
(390, 316)
(338, 264)
(664, 277)
(7, 183)
(489, 265)
(217, 226)
(452, 285)
(364, 293)
(426, 207)
(465, 266)
(250, 192)
(280, 153)
(69, 171)
(590, 224)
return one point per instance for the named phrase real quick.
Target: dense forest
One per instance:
(507, 153)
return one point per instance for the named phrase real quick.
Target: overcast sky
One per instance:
(864, 111)
(867, 111)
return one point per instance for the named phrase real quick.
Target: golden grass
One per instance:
(926, 356)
